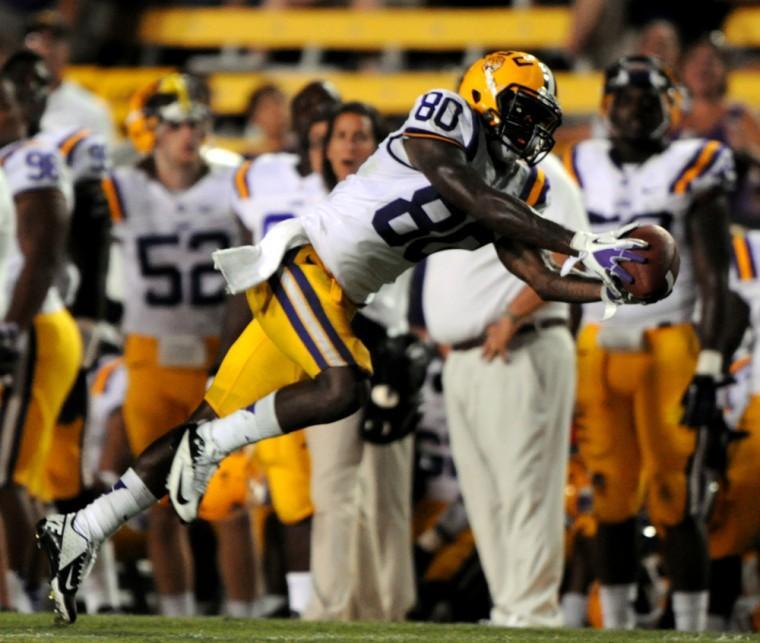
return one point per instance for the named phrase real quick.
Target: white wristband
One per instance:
(580, 240)
(710, 362)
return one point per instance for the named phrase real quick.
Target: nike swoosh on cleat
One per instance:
(67, 585)
(180, 498)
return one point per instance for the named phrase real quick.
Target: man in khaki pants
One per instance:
(509, 384)
(361, 558)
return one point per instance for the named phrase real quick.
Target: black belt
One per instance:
(524, 329)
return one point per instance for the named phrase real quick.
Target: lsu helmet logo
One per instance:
(516, 96)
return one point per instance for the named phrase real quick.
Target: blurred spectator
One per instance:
(267, 121)
(691, 24)
(704, 71)
(660, 39)
(69, 105)
(598, 32)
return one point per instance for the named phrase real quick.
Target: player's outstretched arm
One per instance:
(526, 263)
(446, 167)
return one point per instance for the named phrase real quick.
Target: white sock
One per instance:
(690, 611)
(299, 590)
(176, 604)
(574, 606)
(100, 588)
(104, 515)
(252, 424)
(19, 599)
(238, 609)
(617, 606)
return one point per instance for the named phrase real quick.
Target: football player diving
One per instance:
(456, 175)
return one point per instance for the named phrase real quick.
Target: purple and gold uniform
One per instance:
(735, 522)
(55, 346)
(634, 368)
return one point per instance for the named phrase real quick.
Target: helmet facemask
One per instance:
(644, 74)
(175, 110)
(526, 122)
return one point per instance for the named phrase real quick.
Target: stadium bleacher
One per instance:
(467, 31)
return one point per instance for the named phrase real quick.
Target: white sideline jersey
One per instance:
(659, 191)
(35, 164)
(166, 239)
(270, 189)
(388, 217)
(83, 151)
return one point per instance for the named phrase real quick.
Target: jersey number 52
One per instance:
(172, 276)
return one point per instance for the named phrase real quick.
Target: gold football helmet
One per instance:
(516, 95)
(176, 98)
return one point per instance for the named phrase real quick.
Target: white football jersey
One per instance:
(270, 189)
(166, 239)
(659, 191)
(83, 152)
(388, 217)
(35, 164)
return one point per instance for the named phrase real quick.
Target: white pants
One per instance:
(361, 560)
(509, 430)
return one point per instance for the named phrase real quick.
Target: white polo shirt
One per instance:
(465, 291)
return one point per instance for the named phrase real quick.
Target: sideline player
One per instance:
(635, 368)
(734, 524)
(169, 212)
(428, 187)
(42, 192)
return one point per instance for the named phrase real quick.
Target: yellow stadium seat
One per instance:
(390, 93)
(742, 27)
(440, 29)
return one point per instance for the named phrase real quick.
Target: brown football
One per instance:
(654, 279)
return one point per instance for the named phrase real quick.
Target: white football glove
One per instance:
(603, 255)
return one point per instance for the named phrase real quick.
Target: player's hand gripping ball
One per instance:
(653, 280)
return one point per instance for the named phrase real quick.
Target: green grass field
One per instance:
(131, 629)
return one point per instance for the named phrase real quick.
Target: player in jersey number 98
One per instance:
(460, 173)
